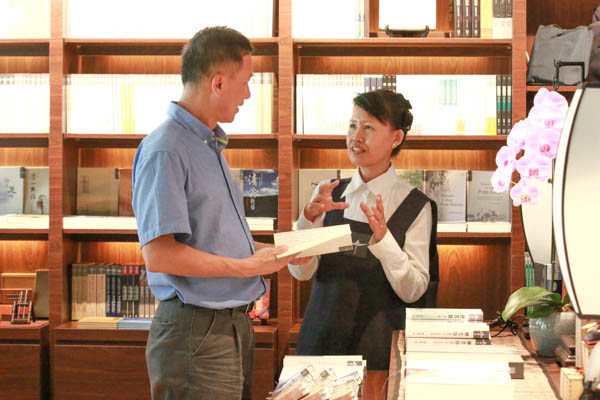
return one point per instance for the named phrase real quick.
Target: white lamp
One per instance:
(576, 211)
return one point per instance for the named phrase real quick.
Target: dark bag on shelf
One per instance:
(553, 43)
(594, 75)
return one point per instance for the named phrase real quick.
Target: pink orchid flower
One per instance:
(524, 192)
(549, 110)
(501, 179)
(543, 142)
(518, 135)
(534, 166)
(506, 158)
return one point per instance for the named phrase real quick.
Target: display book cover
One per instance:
(261, 192)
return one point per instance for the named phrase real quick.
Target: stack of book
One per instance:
(99, 322)
(448, 351)
(134, 323)
(320, 377)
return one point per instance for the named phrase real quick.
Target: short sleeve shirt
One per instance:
(182, 185)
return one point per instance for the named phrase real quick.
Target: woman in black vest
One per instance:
(358, 297)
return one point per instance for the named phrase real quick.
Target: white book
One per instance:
(445, 314)
(22, 221)
(11, 190)
(483, 203)
(426, 342)
(474, 330)
(448, 188)
(316, 241)
(99, 222)
(37, 190)
(308, 181)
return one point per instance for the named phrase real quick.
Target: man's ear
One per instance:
(216, 83)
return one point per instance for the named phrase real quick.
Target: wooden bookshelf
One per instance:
(477, 269)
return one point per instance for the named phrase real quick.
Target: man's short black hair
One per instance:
(210, 47)
(387, 107)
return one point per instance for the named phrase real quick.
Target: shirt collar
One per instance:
(380, 185)
(217, 138)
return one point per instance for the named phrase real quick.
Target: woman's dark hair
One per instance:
(387, 107)
(210, 47)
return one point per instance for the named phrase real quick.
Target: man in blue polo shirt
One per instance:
(203, 264)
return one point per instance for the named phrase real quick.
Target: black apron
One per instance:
(353, 308)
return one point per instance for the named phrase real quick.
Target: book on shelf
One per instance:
(110, 290)
(261, 192)
(125, 192)
(444, 329)
(486, 19)
(445, 314)
(134, 324)
(448, 188)
(487, 210)
(441, 104)
(414, 177)
(181, 19)
(335, 19)
(24, 103)
(316, 241)
(20, 19)
(98, 191)
(260, 310)
(12, 190)
(37, 190)
(309, 179)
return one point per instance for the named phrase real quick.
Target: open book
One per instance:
(312, 242)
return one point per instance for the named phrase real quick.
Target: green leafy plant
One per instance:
(543, 302)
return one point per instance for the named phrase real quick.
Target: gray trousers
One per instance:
(200, 353)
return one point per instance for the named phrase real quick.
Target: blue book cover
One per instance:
(261, 191)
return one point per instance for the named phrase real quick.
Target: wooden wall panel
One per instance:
(21, 376)
(252, 159)
(408, 159)
(141, 64)
(23, 256)
(404, 65)
(19, 65)
(110, 252)
(23, 157)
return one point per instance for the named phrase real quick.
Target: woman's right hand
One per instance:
(323, 202)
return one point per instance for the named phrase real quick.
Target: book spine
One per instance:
(445, 316)
(458, 19)
(467, 18)
(136, 291)
(450, 332)
(119, 291)
(422, 342)
(476, 18)
(107, 291)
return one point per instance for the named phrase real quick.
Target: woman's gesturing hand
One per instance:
(376, 218)
(323, 202)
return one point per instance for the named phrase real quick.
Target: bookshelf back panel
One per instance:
(19, 65)
(23, 157)
(403, 65)
(146, 64)
(406, 159)
(443, 16)
(123, 158)
(470, 277)
(110, 252)
(23, 255)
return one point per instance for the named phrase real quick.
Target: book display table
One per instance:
(541, 374)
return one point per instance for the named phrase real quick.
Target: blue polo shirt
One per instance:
(182, 185)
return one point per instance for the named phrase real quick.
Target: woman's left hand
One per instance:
(376, 218)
